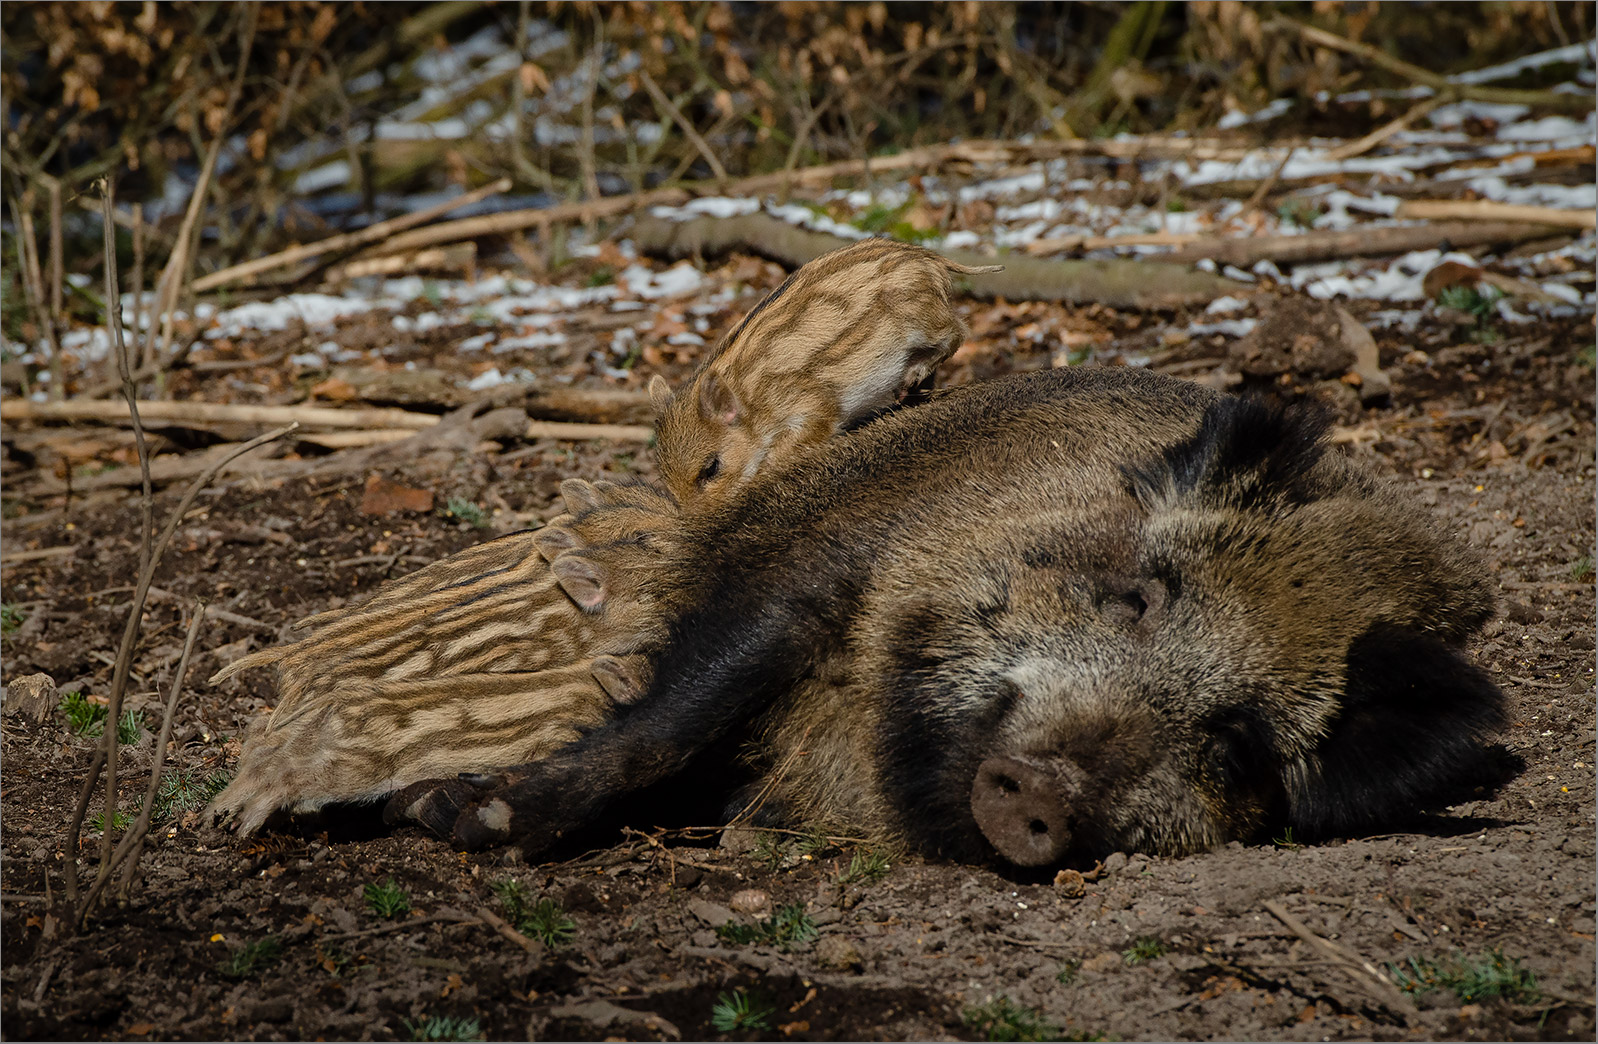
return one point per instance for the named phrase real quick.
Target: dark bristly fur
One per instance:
(1177, 612)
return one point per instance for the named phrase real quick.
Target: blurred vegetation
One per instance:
(598, 101)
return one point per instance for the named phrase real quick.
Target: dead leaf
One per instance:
(383, 497)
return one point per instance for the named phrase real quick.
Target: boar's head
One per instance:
(1255, 633)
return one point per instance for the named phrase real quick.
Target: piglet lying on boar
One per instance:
(1045, 617)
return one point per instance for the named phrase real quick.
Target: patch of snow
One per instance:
(1572, 197)
(1456, 113)
(307, 361)
(685, 338)
(1223, 305)
(1224, 327)
(489, 378)
(1400, 318)
(1552, 128)
(676, 281)
(795, 214)
(1233, 272)
(1398, 281)
(714, 206)
(1032, 181)
(315, 310)
(1235, 118)
(1563, 292)
(546, 339)
(1574, 54)
(477, 344)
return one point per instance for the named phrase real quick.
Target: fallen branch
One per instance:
(1082, 244)
(1117, 283)
(1555, 100)
(499, 925)
(1361, 241)
(1489, 210)
(578, 432)
(452, 257)
(1362, 971)
(216, 413)
(1360, 146)
(345, 241)
(509, 221)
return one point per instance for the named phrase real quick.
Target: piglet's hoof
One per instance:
(434, 804)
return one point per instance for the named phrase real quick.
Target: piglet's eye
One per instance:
(711, 469)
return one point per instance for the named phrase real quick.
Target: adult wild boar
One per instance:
(1047, 617)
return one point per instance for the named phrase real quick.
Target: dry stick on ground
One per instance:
(1361, 970)
(345, 241)
(131, 848)
(135, 609)
(667, 106)
(1489, 210)
(1360, 146)
(1559, 102)
(1269, 183)
(218, 413)
(499, 925)
(1359, 242)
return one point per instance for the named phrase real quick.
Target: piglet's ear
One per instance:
(621, 677)
(659, 394)
(717, 402)
(581, 579)
(554, 540)
(580, 496)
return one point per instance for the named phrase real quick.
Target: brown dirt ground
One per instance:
(904, 957)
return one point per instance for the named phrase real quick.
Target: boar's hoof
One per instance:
(1021, 808)
(431, 803)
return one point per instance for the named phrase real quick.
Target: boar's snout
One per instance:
(1022, 807)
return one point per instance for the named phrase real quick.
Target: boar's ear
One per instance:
(659, 394)
(717, 402)
(1247, 453)
(580, 496)
(581, 579)
(1411, 732)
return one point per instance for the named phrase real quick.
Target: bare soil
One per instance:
(1498, 440)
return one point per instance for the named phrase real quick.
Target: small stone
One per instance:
(713, 914)
(1069, 883)
(32, 694)
(1103, 962)
(750, 901)
(837, 953)
(1114, 861)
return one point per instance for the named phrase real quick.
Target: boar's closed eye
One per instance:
(711, 469)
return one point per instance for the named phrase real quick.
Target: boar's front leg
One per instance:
(728, 662)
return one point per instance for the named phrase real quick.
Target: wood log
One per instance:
(1359, 242)
(1118, 283)
(1490, 210)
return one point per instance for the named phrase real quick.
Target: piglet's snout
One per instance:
(1022, 807)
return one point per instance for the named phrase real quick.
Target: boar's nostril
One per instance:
(1020, 808)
